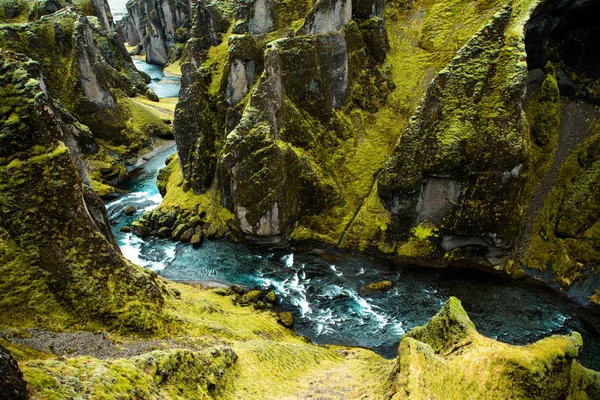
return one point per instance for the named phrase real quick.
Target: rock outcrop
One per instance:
(460, 165)
(89, 72)
(437, 361)
(55, 238)
(12, 384)
(263, 116)
(430, 144)
(158, 27)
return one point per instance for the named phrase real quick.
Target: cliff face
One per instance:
(22, 11)
(89, 72)
(411, 129)
(55, 238)
(157, 27)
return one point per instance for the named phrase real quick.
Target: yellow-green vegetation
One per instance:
(215, 62)
(413, 60)
(369, 227)
(14, 11)
(543, 113)
(167, 374)
(164, 109)
(173, 68)
(419, 244)
(59, 259)
(380, 286)
(448, 359)
(233, 352)
(546, 114)
(208, 202)
(94, 87)
(565, 236)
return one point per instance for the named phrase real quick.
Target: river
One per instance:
(323, 287)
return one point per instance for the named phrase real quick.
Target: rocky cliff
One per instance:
(422, 130)
(60, 263)
(89, 72)
(158, 28)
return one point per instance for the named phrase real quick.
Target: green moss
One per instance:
(565, 234)
(187, 203)
(159, 374)
(369, 227)
(374, 126)
(420, 242)
(439, 360)
(546, 119)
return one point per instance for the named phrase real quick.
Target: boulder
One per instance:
(286, 319)
(380, 286)
(129, 210)
(12, 384)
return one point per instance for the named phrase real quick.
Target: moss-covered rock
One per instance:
(55, 239)
(439, 360)
(380, 286)
(91, 75)
(157, 26)
(472, 107)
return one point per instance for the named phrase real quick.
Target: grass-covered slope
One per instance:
(448, 359)
(225, 351)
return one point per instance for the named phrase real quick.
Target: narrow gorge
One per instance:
(299, 199)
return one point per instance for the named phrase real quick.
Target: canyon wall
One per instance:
(422, 130)
(159, 28)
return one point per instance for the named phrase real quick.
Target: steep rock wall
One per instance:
(157, 26)
(55, 238)
(410, 129)
(93, 77)
(460, 162)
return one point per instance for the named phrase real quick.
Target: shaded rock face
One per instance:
(99, 9)
(561, 237)
(439, 170)
(12, 384)
(566, 33)
(154, 25)
(327, 16)
(56, 229)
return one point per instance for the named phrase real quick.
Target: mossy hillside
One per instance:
(565, 234)
(542, 109)
(238, 352)
(459, 122)
(156, 375)
(422, 242)
(230, 352)
(56, 241)
(57, 244)
(448, 358)
(348, 162)
(60, 43)
(412, 67)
